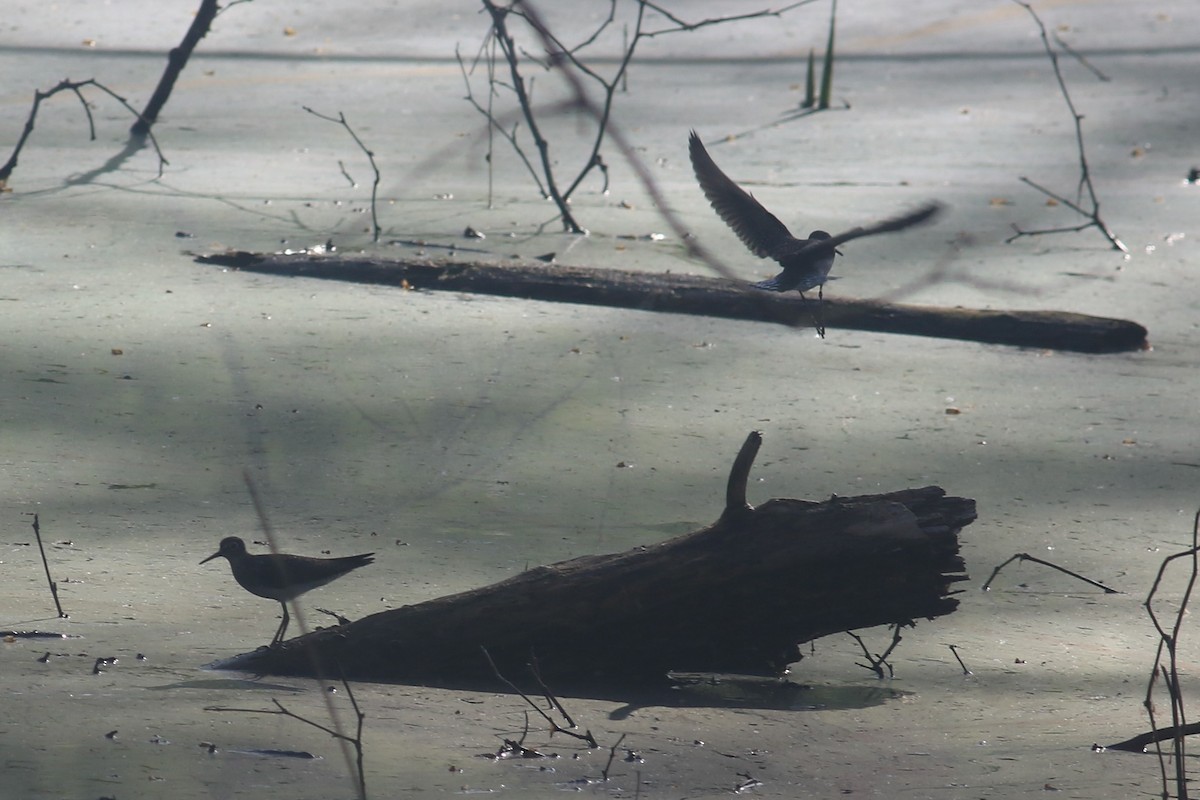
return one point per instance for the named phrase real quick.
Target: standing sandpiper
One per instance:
(283, 577)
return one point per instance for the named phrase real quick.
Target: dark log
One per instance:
(739, 596)
(1139, 743)
(715, 297)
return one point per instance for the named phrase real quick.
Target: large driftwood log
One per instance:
(736, 597)
(716, 297)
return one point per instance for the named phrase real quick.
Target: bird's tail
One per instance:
(770, 285)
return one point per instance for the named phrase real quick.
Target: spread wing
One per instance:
(758, 228)
(921, 215)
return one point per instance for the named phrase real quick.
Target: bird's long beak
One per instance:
(210, 558)
(839, 252)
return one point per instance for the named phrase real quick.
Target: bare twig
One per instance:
(536, 671)
(649, 184)
(356, 740)
(1085, 176)
(1081, 58)
(877, 662)
(37, 532)
(612, 754)
(341, 620)
(508, 48)
(491, 152)
(1169, 671)
(230, 5)
(515, 748)
(75, 88)
(341, 120)
(958, 658)
(510, 135)
(349, 179)
(747, 783)
(554, 726)
(176, 60)
(570, 61)
(1026, 557)
(678, 23)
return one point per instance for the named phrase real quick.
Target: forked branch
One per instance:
(1092, 215)
(75, 87)
(583, 79)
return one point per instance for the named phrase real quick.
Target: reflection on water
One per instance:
(742, 691)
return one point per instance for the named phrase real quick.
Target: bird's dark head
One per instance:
(820, 236)
(231, 547)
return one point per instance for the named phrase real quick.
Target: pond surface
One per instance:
(464, 438)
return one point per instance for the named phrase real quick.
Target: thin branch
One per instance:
(341, 120)
(490, 114)
(37, 532)
(508, 49)
(610, 88)
(177, 59)
(1081, 58)
(1085, 176)
(877, 662)
(1169, 643)
(612, 754)
(1026, 557)
(571, 65)
(494, 124)
(230, 5)
(649, 184)
(958, 658)
(75, 88)
(356, 740)
(554, 726)
(680, 25)
(536, 670)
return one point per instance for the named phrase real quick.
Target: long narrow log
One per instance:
(739, 596)
(715, 297)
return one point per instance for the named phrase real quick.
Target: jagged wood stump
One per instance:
(736, 597)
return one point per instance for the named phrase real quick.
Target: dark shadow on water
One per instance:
(680, 690)
(745, 691)
(223, 684)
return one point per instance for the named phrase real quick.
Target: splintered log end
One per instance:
(738, 596)
(739, 476)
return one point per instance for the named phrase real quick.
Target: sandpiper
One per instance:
(806, 262)
(283, 577)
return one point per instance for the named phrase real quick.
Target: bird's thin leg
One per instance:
(817, 315)
(282, 626)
